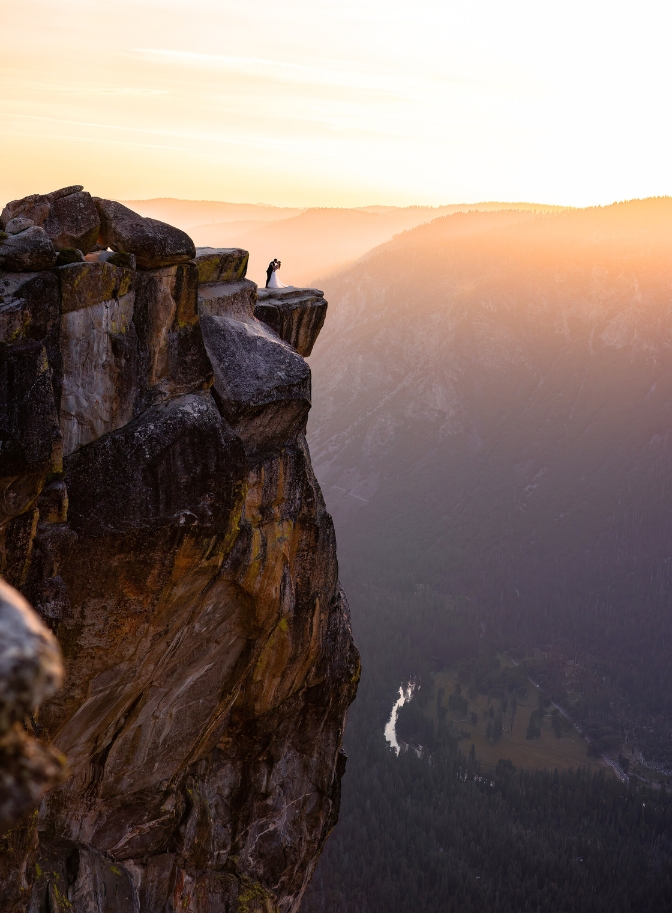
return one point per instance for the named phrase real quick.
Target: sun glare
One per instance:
(337, 103)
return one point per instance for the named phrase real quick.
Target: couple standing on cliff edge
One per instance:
(272, 280)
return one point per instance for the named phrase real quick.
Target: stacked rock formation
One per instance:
(160, 512)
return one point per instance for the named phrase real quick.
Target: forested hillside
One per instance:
(493, 403)
(491, 427)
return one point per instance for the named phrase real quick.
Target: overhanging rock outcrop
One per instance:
(296, 314)
(160, 512)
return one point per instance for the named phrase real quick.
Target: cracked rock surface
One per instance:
(161, 513)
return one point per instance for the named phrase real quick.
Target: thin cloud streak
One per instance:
(340, 74)
(278, 71)
(297, 148)
(427, 104)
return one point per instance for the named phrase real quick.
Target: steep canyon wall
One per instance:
(160, 512)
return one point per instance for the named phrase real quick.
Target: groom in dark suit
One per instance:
(272, 266)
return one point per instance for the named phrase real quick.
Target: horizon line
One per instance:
(561, 206)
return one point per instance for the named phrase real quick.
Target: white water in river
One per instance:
(405, 694)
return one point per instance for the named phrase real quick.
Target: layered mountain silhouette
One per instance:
(493, 418)
(310, 243)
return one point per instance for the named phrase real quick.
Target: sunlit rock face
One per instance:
(161, 513)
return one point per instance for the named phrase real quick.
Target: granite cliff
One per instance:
(160, 512)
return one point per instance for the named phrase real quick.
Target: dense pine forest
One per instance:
(440, 831)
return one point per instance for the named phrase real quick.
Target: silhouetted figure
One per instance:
(273, 281)
(272, 266)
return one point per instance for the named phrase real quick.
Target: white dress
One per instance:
(274, 282)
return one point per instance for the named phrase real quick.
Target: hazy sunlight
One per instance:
(337, 103)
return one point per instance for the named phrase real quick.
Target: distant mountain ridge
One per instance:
(186, 213)
(310, 242)
(492, 415)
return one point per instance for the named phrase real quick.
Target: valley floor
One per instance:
(545, 752)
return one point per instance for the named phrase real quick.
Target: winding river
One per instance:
(405, 694)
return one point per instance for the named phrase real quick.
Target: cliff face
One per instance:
(161, 514)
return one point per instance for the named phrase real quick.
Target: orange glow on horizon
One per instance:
(337, 103)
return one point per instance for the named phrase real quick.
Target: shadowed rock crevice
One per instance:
(161, 512)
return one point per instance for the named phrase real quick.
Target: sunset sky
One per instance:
(338, 102)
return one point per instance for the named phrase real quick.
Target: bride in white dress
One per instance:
(274, 282)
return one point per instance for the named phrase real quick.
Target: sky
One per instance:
(337, 102)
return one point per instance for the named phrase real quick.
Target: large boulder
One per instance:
(155, 244)
(28, 250)
(18, 224)
(30, 659)
(35, 207)
(31, 670)
(73, 222)
(68, 216)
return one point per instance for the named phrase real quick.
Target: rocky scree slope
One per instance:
(160, 511)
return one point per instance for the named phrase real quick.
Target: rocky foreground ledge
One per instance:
(160, 512)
